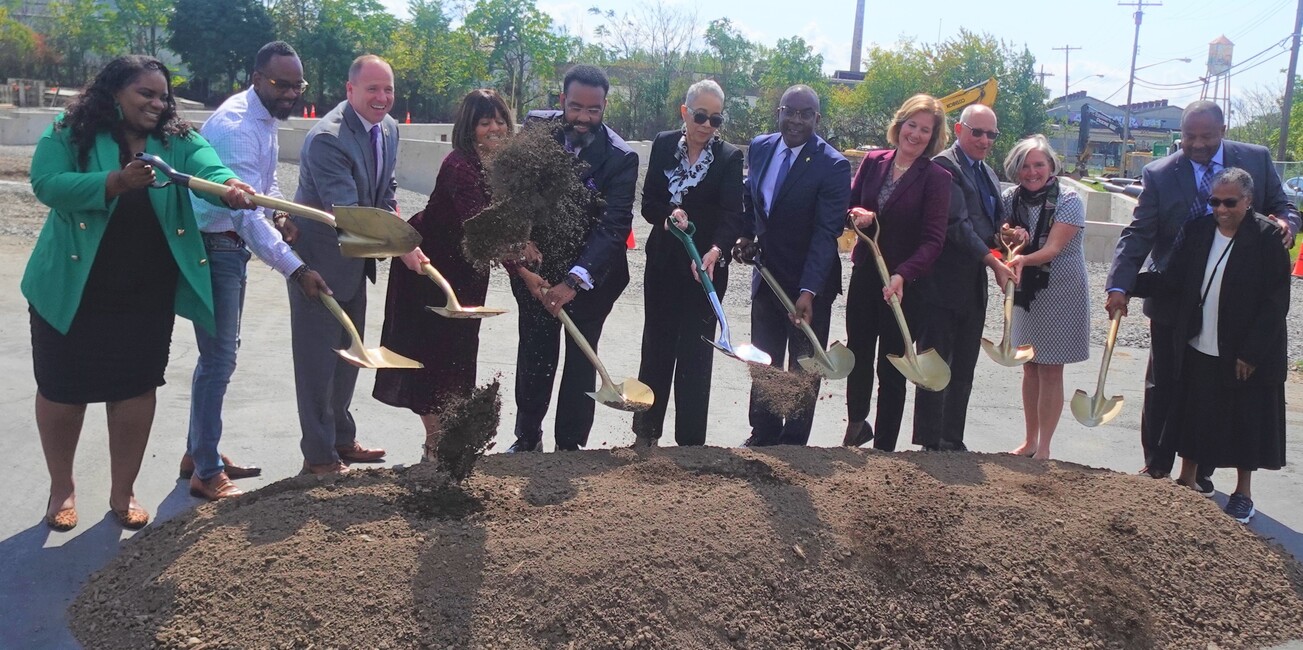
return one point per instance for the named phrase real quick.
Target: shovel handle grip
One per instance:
(342, 317)
(587, 349)
(1109, 342)
(685, 236)
(216, 189)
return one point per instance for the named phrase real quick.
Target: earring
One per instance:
(118, 107)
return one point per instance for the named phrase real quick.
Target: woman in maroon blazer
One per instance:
(448, 347)
(909, 196)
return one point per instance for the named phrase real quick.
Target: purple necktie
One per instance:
(375, 146)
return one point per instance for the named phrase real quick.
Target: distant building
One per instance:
(1152, 123)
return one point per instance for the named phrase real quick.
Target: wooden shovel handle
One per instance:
(584, 346)
(217, 189)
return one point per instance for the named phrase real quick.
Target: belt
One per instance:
(229, 234)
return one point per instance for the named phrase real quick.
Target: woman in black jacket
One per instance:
(692, 174)
(1226, 293)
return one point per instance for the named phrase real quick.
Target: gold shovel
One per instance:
(925, 369)
(363, 232)
(1097, 410)
(1004, 353)
(453, 308)
(837, 362)
(360, 356)
(628, 395)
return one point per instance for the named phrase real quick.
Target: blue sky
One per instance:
(1178, 28)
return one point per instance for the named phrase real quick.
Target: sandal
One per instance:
(132, 518)
(62, 521)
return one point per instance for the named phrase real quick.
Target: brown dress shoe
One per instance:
(64, 520)
(217, 487)
(356, 453)
(336, 467)
(232, 470)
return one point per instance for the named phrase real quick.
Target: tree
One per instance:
(144, 23)
(1257, 114)
(523, 49)
(18, 45)
(649, 49)
(433, 65)
(79, 29)
(225, 54)
(731, 59)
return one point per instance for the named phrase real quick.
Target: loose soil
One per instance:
(685, 548)
(785, 394)
(468, 430)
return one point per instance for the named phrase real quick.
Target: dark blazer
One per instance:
(798, 233)
(958, 277)
(1164, 206)
(1254, 297)
(714, 204)
(335, 168)
(914, 218)
(613, 169)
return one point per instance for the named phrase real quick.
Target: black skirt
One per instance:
(1220, 423)
(118, 345)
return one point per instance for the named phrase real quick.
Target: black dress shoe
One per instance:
(860, 437)
(947, 445)
(525, 445)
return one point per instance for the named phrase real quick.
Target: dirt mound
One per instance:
(702, 548)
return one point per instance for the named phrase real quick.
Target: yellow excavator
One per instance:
(983, 93)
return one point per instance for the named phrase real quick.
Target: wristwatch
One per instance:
(573, 282)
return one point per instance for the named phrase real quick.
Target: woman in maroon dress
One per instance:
(446, 346)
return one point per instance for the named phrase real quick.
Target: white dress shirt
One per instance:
(243, 134)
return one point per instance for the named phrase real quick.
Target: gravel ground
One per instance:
(21, 217)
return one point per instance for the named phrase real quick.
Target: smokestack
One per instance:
(857, 41)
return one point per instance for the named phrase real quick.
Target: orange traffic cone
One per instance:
(305, 111)
(314, 111)
(631, 243)
(1298, 266)
(409, 118)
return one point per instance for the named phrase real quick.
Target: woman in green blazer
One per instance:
(114, 264)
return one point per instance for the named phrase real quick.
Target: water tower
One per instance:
(1217, 84)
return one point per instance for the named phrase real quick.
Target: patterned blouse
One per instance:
(686, 175)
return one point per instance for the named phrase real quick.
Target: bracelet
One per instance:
(298, 273)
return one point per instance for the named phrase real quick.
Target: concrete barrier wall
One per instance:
(24, 126)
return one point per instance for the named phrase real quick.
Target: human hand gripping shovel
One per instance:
(1097, 410)
(926, 369)
(1004, 353)
(360, 356)
(453, 308)
(741, 351)
(363, 232)
(835, 363)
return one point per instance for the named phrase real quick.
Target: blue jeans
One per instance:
(227, 260)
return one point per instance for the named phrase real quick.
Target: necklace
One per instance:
(899, 167)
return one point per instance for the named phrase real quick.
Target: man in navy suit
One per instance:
(794, 208)
(584, 285)
(1176, 189)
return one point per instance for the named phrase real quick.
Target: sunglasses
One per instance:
(982, 133)
(284, 86)
(700, 117)
(1217, 203)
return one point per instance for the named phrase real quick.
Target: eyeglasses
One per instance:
(1217, 203)
(802, 113)
(982, 133)
(700, 117)
(285, 86)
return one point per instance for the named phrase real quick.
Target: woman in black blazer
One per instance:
(692, 174)
(1225, 293)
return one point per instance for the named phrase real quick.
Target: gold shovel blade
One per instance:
(372, 232)
(929, 372)
(840, 357)
(468, 312)
(629, 395)
(380, 357)
(1094, 412)
(1007, 355)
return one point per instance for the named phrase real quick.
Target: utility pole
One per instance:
(1131, 80)
(1043, 74)
(1067, 51)
(1289, 83)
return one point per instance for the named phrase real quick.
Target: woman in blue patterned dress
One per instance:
(1052, 303)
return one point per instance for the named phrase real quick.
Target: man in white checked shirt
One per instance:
(243, 132)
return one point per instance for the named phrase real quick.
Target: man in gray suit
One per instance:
(1176, 189)
(348, 158)
(954, 294)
